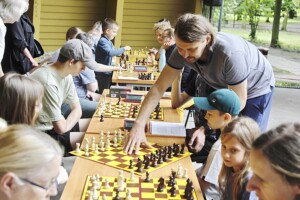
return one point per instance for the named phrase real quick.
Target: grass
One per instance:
(287, 84)
(288, 40)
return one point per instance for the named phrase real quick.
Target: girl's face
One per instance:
(233, 153)
(268, 183)
(159, 36)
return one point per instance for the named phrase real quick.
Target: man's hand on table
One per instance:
(136, 137)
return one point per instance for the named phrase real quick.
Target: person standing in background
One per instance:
(105, 50)
(10, 11)
(19, 49)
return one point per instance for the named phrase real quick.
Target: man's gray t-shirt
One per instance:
(232, 61)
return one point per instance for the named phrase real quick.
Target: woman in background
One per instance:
(19, 49)
(28, 170)
(10, 11)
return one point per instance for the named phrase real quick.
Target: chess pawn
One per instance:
(96, 149)
(93, 142)
(86, 153)
(180, 172)
(132, 178)
(107, 145)
(102, 146)
(121, 180)
(95, 193)
(115, 142)
(120, 137)
(106, 186)
(77, 148)
(104, 197)
(128, 194)
(185, 174)
(107, 134)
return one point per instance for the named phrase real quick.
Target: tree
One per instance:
(276, 23)
(287, 6)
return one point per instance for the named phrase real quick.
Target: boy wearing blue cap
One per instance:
(222, 107)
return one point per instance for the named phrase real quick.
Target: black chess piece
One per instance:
(154, 162)
(139, 167)
(101, 118)
(117, 197)
(119, 100)
(161, 185)
(130, 164)
(182, 149)
(147, 179)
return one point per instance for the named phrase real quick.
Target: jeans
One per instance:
(259, 108)
(88, 108)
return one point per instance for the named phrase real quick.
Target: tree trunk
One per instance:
(276, 23)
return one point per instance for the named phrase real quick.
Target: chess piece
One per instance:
(104, 197)
(154, 162)
(147, 179)
(96, 149)
(130, 164)
(93, 142)
(77, 148)
(180, 171)
(115, 142)
(128, 194)
(107, 144)
(101, 118)
(95, 193)
(117, 197)
(182, 149)
(106, 186)
(139, 166)
(102, 146)
(86, 152)
(185, 174)
(118, 103)
(121, 181)
(161, 186)
(132, 178)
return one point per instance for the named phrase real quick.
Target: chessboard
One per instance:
(112, 154)
(113, 110)
(105, 187)
(126, 110)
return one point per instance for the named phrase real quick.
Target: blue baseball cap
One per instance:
(224, 100)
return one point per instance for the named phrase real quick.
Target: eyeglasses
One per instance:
(51, 183)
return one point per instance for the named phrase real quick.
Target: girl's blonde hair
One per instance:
(18, 97)
(25, 150)
(12, 10)
(245, 130)
(162, 25)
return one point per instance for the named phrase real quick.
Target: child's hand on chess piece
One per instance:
(119, 68)
(127, 48)
(153, 50)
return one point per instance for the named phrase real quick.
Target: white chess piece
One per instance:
(185, 174)
(95, 193)
(86, 153)
(104, 197)
(107, 144)
(128, 194)
(115, 142)
(121, 181)
(132, 178)
(77, 147)
(96, 149)
(106, 186)
(102, 146)
(93, 142)
(180, 172)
